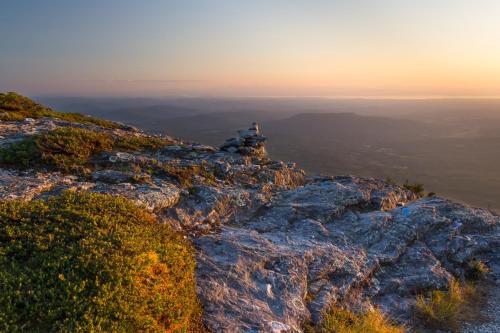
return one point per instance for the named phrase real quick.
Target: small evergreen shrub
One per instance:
(22, 154)
(416, 188)
(82, 262)
(185, 175)
(477, 270)
(70, 149)
(64, 148)
(339, 320)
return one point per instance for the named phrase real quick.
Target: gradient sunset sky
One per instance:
(251, 48)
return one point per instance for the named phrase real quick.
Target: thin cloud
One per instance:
(142, 81)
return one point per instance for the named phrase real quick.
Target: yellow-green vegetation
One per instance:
(22, 154)
(64, 148)
(416, 188)
(69, 148)
(186, 174)
(446, 310)
(15, 107)
(339, 320)
(82, 262)
(476, 269)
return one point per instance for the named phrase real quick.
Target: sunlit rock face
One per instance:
(275, 248)
(319, 243)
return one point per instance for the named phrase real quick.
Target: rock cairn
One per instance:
(249, 142)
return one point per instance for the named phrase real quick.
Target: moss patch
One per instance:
(15, 107)
(84, 262)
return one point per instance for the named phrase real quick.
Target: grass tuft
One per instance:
(83, 262)
(477, 270)
(416, 188)
(446, 310)
(339, 320)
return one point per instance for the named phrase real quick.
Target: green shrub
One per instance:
(84, 262)
(390, 181)
(477, 270)
(339, 320)
(446, 310)
(24, 154)
(416, 188)
(15, 107)
(185, 175)
(64, 148)
(68, 148)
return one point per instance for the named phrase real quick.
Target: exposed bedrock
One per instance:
(332, 239)
(276, 248)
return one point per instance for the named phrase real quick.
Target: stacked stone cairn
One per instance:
(249, 142)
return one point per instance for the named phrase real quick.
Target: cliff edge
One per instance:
(275, 248)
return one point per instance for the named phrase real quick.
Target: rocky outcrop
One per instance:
(316, 244)
(275, 248)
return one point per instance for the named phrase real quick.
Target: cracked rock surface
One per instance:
(275, 248)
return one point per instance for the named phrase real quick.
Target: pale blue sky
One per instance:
(248, 48)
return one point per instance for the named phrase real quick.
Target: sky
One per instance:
(250, 48)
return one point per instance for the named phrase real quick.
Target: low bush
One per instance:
(476, 270)
(82, 262)
(69, 148)
(185, 175)
(446, 310)
(64, 148)
(339, 320)
(21, 154)
(15, 107)
(416, 188)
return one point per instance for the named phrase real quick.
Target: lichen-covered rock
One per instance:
(25, 186)
(153, 197)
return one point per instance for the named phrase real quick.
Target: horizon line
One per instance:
(326, 97)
